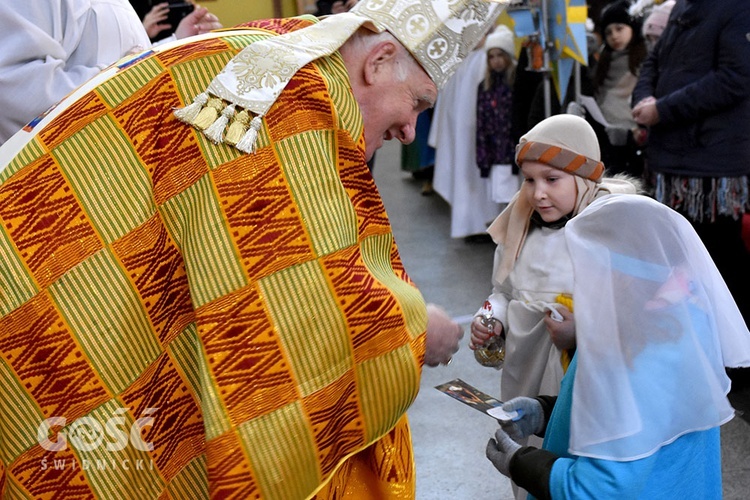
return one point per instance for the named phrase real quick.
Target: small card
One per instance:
(469, 395)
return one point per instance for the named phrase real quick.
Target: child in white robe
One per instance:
(533, 275)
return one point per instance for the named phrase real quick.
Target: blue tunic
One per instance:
(687, 468)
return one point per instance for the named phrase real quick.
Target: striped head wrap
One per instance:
(558, 157)
(566, 142)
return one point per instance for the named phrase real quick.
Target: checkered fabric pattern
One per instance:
(253, 306)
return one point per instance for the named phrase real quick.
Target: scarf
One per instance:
(510, 228)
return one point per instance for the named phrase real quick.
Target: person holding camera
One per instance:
(53, 48)
(167, 20)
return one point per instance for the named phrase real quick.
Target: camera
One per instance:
(177, 11)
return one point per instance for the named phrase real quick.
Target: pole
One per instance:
(544, 26)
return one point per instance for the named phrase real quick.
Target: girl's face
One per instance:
(618, 35)
(497, 60)
(549, 190)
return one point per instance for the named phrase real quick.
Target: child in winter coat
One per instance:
(655, 22)
(494, 102)
(614, 79)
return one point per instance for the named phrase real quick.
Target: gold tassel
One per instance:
(189, 112)
(247, 143)
(215, 132)
(237, 128)
(209, 113)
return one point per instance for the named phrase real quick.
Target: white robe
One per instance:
(532, 364)
(453, 135)
(52, 47)
(543, 271)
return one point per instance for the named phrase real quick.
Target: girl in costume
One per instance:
(640, 406)
(562, 174)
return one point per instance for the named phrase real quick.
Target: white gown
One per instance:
(542, 272)
(453, 135)
(51, 48)
(532, 364)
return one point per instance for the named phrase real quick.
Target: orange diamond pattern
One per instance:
(336, 421)
(359, 185)
(177, 430)
(195, 50)
(365, 302)
(78, 115)
(46, 221)
(229, 473)
(155, 266)
(37, 344)
(263, 219)
(245, 356)
(166, 146)
(51, 474)
(304, 106)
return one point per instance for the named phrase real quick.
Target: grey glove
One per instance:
(530, 422)
(500, 451)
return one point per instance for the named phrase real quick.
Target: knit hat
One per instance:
(502, 38)
(566, 142)
(656, 21)
(439, 34)
(617, 12)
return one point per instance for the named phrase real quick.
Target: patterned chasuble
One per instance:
(181, 320)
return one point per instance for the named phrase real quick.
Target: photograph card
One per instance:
(469, 395)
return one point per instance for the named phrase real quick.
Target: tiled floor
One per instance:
(450, 438)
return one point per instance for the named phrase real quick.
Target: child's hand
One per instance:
(480, 333)
(562, 333)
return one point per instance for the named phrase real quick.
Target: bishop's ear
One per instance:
(380, 61)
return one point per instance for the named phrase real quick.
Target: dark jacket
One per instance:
(699, 72)
(495, 146)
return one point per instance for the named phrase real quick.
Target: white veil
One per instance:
(655, 325)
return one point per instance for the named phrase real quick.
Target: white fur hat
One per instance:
(656, 21)
(502, 38)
